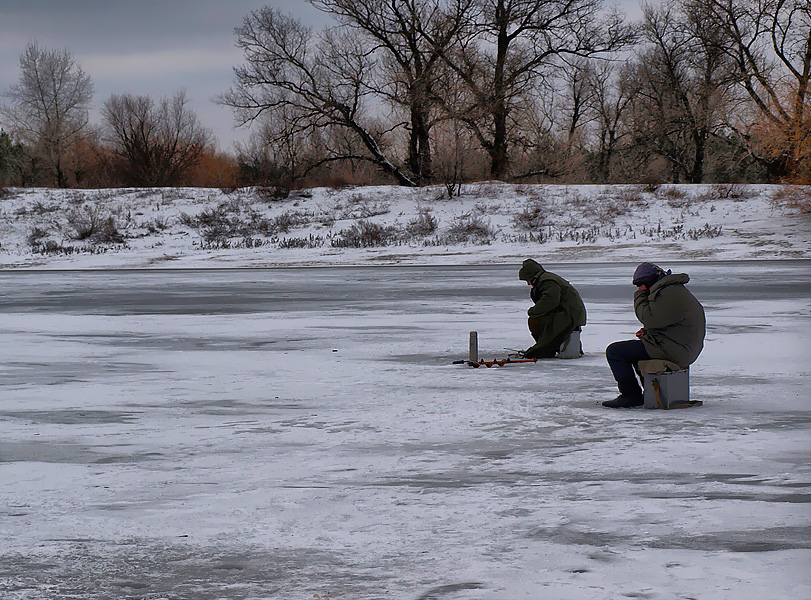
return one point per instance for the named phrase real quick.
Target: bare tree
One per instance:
(770, 44)
(157, 144)
(48, 108)
(509, 46)
(411, 63)
(577, 110)
(325, 80)
(683, 87)
(614, 94)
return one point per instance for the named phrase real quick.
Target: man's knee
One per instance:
(613, 351)
(535, 325)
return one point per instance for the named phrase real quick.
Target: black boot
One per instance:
(624, 402)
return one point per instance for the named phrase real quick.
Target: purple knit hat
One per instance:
(647, 274)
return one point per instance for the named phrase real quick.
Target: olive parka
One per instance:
(557, 302)
(673, 320)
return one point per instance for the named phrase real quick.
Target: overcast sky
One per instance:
(155, 47)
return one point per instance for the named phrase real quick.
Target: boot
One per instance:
(624, 402)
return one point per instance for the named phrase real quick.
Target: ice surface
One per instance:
(301, 433)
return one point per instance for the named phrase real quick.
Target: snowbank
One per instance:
(385, 225)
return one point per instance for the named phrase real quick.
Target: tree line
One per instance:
(447, 91)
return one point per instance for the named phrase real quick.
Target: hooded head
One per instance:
(529, 269)
(647, 274)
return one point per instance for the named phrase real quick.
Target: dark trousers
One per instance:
(538, 327)
(623, 358)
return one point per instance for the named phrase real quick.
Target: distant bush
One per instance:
(213, 224)
(286, 221)
(576, 199)
(423, 224)
(672, 193)
(272, 193)
(36, 235)
(678, 232)
(729, 191)
(227, 244)
(365, 234)
(169, 195)
(650, 184)
(158, 224)
(532, 217)
(605, 209)
(49, 247)
(708, 231)
(108, 233)
(468, 228)
(632, 196)
(675, 197)
(796, 198)
(361, 207)
(232, 219)
(40, 209)
(92, 224)
(297, 242)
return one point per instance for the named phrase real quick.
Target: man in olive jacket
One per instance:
(673, 328)
(557, 311)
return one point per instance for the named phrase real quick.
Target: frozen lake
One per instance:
(301, 433)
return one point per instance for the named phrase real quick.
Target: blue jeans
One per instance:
(623, 358)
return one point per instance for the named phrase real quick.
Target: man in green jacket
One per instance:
(673, 328)
(556, 312)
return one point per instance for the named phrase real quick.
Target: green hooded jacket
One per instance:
(556, 301)
(673, 320)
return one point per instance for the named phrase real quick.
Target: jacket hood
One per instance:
(676, 278)
(529, 269)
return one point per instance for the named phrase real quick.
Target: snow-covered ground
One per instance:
(488, 222)
(302, 433)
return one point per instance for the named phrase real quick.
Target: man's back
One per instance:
(673, 320)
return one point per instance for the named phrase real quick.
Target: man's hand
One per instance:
(643, 287)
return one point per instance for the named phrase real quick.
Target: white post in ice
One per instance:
(474, 347)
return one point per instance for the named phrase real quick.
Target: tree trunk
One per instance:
(697, 170)
(420, 161)
(499, 159)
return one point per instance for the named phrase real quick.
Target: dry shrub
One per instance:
(675, 197)
(606, 210)
(469, 228)
(92, 224)
(672, 193)
(532, 217)
(423, 224)
(795, 198)
(650, 183)
(362, 207)
(631, 196)
(272, 193)
(36, 236)
(729, 191)
(301, 242)
(365, 234)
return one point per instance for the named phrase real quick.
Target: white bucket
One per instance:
(572, 347)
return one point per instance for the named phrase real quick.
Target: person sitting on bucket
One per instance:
(558, 309)
(673, 328)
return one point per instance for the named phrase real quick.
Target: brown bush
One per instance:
(795, 198)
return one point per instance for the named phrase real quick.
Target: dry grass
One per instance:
(795, 198)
